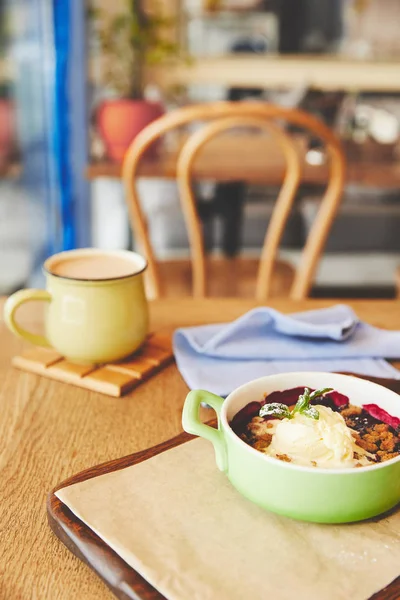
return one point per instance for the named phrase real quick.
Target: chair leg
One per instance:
(397, 282)
(229, 203)
(206, 214)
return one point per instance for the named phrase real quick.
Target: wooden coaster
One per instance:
(114, 379)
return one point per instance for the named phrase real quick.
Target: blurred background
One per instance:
(71, 73)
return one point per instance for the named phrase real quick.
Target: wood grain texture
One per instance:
(50, 430)
(122, 579)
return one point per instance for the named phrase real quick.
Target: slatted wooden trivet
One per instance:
(114, 379)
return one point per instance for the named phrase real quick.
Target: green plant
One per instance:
(5, 89)
(130, 41)
(5, 35)
(3, 28)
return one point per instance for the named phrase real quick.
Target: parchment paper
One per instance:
(178, 521)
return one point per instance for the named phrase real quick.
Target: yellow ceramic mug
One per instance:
(96, 305)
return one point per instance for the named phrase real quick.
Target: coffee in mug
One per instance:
(96, 305)
(90, 268)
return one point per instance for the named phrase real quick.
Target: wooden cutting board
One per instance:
(122, 579)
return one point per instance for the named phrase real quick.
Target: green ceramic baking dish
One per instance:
(306, 493)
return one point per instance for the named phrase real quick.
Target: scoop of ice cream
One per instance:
(325, 442)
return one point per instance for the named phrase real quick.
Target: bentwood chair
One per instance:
(208, 275)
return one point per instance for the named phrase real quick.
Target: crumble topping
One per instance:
(377, 441)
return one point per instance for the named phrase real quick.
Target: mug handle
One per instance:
(11, 305)
(192, 424)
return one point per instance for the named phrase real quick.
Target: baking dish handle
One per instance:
(192, 424)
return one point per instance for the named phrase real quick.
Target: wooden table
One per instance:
(256, 159)
(49, 431)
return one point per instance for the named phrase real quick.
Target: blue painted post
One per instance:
(71, 121)
(79, 123)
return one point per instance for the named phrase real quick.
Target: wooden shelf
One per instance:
(273, 71)
(368, 174)
(227, 12)
(254, 158)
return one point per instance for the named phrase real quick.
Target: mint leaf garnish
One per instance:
(281, 411)
(311, 412)
(319, 393)
(303, 403)
(275, 409)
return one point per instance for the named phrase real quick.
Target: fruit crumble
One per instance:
(318, 428)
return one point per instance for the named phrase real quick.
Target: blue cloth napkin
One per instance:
(221, 357)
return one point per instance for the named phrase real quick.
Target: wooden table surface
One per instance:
(256, 159)
(49, 431)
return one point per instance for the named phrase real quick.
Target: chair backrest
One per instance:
(224, 116)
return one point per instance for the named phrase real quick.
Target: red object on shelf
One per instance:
(119, 122)
(7, 129)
